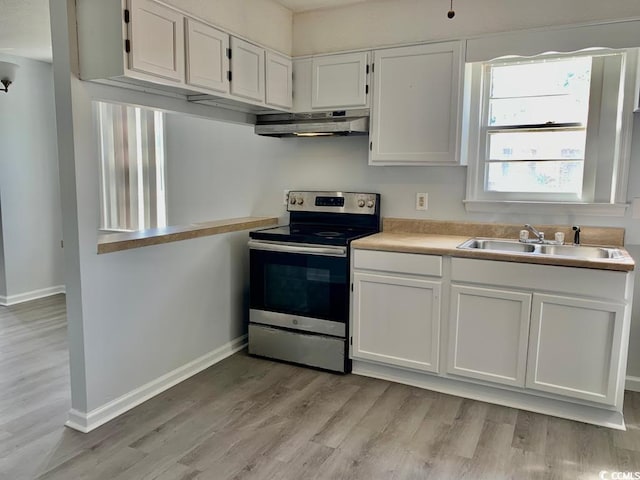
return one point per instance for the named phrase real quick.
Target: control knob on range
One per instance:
(292, 200)
(370, 204)
(361, 203)
(300, 200)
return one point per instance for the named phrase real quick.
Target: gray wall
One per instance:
(29, 193)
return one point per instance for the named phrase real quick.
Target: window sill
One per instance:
(115, 242)
(547, 208)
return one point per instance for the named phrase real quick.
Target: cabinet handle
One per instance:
(229, 75)
(126, 15)
(127, 46)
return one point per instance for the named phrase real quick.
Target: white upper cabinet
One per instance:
(207, 60)
(340, 81)
(247, 70)
(279, 81)
(156, 36)
(416, 105)
(147, 43)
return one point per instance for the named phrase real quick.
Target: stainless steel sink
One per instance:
(498, 245)
(513, 246)
(579, 251)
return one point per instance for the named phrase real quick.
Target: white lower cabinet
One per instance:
(396, 320)
(574, 347)
(488, 334)
(550, 339)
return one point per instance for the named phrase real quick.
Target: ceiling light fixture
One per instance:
(7, 75)
(451, 13)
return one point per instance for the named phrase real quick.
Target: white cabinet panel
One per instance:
(157, 40)
(416, 105)
(279, 81)
(247, 69)
(411, 263)
(488, 334)
(339, 81)
(574, 347)
(396, 320)
(207, 62)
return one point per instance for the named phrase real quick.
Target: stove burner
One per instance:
(328, 234)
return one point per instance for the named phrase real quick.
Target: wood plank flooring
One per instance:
(248, 418)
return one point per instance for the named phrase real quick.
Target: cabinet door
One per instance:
(279, 81)
(247, 69)
(339, 81)
(396, 320)
(416, 96)
(573, 349)
(488, 334)
(207, 62)
(157, 40)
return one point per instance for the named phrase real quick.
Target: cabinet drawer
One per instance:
(567, 280)
(411, 263)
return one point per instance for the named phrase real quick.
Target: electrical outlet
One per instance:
(285, 198)
(422, 201)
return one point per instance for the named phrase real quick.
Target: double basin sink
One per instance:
(555, 250)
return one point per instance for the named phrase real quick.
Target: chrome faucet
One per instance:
(536, 233)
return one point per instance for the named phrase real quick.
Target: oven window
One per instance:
(305, 285)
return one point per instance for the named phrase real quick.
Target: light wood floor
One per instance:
(247, 418)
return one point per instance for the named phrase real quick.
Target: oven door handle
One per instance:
(326, 251)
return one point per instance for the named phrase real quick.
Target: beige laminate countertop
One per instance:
(434, 244)
(114, 242)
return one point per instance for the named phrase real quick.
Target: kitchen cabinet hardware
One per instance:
(126, 15)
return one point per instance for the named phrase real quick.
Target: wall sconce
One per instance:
(7, 74)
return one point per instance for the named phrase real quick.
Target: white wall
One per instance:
(29, 193)
(262, 21)
(388, 22)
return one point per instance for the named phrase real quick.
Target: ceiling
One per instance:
(25, 29)
(298, 6)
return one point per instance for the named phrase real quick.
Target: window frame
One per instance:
(595, 184)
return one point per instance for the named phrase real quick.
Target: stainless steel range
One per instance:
(300, 281)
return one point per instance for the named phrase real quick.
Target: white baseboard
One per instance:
(86, 422)
(632, 384)
(9, 300)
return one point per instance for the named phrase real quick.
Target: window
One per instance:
(549, 128)
(132, 157)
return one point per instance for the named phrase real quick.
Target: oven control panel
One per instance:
(339, 202)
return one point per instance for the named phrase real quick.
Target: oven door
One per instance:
(300, 286)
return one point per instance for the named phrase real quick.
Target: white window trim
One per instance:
(472, 130)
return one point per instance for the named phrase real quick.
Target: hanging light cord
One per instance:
(451, 13)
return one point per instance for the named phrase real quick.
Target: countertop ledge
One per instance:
(423, 243)
(115, 242)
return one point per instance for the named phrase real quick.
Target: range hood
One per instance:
(314, 124)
